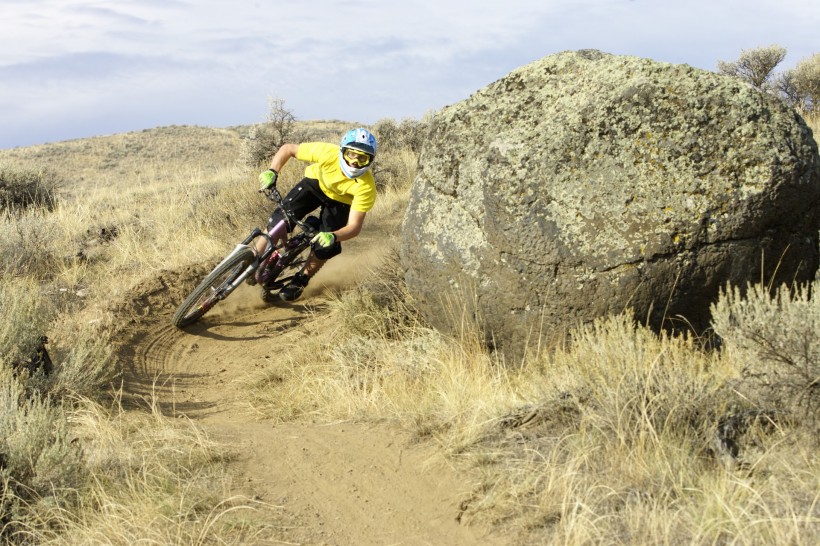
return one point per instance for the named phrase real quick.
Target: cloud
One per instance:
(112, 66)
(70, 67)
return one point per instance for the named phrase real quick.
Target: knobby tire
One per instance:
(207, 294)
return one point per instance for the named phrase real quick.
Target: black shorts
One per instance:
(307, 196)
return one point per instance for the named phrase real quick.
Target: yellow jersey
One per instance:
(359, 193)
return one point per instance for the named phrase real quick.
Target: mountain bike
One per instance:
(286, 253)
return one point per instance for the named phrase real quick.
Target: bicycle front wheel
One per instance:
(211, 290)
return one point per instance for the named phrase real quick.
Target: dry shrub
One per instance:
(807, 82)
(80, 350)
(638, 385)
(408, 133)
(393, 169)
(26, 245)
(775, 337)
(264, 139)
(84, 356)
(41, 467)
(755, 66)
(21, 189)
(25, 318)
(39, 464)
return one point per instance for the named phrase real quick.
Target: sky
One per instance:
(80, 68)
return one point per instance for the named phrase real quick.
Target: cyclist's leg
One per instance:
(334, 216)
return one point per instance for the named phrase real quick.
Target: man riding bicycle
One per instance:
(339, 182)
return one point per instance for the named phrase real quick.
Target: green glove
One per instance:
(268, 179)
(324, 239)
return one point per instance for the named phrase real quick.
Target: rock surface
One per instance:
(584, 184)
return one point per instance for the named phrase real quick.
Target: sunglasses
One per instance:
(361, 159)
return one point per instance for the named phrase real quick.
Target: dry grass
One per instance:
(150, 480)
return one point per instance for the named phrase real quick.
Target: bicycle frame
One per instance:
(277, 238)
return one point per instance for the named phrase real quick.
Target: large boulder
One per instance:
(586, 184)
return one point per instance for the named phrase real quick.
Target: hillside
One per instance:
(157, 153)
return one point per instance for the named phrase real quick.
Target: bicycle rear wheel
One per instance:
(210, 291)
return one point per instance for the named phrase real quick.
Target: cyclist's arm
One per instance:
(355, 221)
(285, 152)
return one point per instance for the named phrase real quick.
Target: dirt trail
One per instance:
(336, 484)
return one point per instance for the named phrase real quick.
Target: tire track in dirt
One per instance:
(196, 371)
(336, 484)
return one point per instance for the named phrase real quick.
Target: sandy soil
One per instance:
(336, 484)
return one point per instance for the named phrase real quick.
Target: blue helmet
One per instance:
(361, 140)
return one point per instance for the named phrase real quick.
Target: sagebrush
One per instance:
(21, 189)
